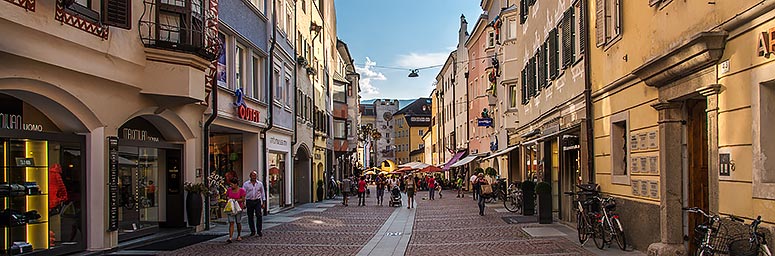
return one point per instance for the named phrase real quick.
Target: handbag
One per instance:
(486, 189)
(228, 208)
(235, 208)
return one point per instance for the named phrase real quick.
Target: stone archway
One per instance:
(302, 185)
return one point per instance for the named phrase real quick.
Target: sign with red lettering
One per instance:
(243, 111)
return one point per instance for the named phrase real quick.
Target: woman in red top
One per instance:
(362, 192)
(237, 193)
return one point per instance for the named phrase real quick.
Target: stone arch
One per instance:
(302, 175)
(169, 123)
(65, 110)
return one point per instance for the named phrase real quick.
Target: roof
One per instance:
(417, 113)
(367, 110)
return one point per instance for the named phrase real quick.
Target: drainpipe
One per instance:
(747, 15)
(206, 146)
(270, 99)
(588, 100)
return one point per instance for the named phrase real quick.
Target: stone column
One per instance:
(670, 180)
(711, 93)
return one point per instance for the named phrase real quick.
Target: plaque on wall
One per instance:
(653, 140)
(644, 164)
(635, 187)
(643, 138)
(654, 164)
(654, 189)
(634, 165)
(644, 188)
(113, 183)
(634, 142)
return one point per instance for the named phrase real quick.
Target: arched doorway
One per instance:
(302, 171)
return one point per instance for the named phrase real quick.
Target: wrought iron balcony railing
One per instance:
(188, 26)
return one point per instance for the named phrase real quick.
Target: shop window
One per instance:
(276, 196)
(226, 155)
(620, 150)
(767, 119)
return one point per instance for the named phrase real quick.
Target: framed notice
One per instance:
(653, 140)
(634, 142)
(644, 188)
(634, 165)
(113, 183)
(644, 164)
(643, 139)
(654, 164)
(635, 187)
(654, 189)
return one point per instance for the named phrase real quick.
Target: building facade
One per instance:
(385, 144)
(411, 123)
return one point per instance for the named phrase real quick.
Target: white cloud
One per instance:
(367, 75)
(420, 60)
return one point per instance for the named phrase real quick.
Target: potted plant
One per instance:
(491, 172)
(194, 201)
(544, 191)
(528, 198)
(320, 190)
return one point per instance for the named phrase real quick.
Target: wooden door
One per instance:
(697, 134)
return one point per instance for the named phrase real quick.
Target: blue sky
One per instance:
(405, 34)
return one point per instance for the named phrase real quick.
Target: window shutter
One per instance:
(600, 22)
(533, 80)
(522, 11)
(582, 29)
(524, 86)
(554, 67)
(540, 59)
(117, 13)
(545, 63)
(567, 39)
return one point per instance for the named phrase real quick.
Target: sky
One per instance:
(389, 38)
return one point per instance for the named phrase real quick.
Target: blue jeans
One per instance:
(430, 193)
(481, 205)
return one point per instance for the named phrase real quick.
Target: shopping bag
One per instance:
(235, 208)
(486, 189)
(228, 208)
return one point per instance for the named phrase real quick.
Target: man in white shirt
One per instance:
(473, 179)
(254, 190)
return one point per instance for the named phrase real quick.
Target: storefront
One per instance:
(278, 170)
(43, 182)
(150, 194)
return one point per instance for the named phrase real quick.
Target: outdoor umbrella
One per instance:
(370, 173)
(431, 168)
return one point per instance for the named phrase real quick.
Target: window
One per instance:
(579, 23)
(513, 95)
(620, 150)
(278, 97)
(287, 91)
(523, 11)
(304, 6)
(88, 9)
(490, 39)
(239, 67)
(340, 131)
(279, 8)
(608, 21)
(257, 88)
(568, 39)
(259, 4)
(181, 22)
(223, 73)
(339, 93)
(289, 21)
(512, 29)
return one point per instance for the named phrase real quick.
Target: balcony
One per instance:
(184, 26)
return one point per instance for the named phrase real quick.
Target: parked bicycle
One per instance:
(586, 218)
(610, 225)
(513, 199)
(753, 245)
(719, 236)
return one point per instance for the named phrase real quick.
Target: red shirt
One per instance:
(431, 182)
(361, 186)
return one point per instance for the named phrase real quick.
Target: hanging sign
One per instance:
(485, 122)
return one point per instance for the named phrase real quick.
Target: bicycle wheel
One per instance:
(489, 199)
(511, 204)
(582, 227)
(619, 233)
(608, 233)
(598, 233)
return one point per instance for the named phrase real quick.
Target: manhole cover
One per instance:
(393, 233)
(520, 219)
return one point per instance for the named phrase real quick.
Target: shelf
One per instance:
(27, 224)
(22, 167)
(24, 195)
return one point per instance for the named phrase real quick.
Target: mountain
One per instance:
(401, 103)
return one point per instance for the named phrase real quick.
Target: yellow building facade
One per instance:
(674, 88)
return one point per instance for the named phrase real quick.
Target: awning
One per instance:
(464, 161)
(452, 160)
(500, 153)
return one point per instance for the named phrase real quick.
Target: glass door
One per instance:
(138, 174)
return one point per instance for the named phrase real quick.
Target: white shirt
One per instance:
(473, 178)
(254, 191)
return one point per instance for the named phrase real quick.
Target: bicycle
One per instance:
(753, 245)
(585, 218)
(609, 223)
(513, 199)
(711, 237)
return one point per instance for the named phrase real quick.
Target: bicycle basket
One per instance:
(728, 231)
(744, 247)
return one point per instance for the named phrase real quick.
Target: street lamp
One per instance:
(414, 73)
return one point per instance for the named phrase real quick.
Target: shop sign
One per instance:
(484, 122)
(113, 183)
(279, 142)
(137, 134)
(419, 119)
(766, 43)
(243, 111)
(15, 122)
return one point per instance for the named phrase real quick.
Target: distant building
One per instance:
(384, 146)
(411, 123)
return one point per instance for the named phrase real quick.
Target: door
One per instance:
(138, 185)
(698, 162)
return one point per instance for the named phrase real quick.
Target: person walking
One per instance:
(409, 184)
(439, 188)
(238, 194)
(346, 188)
(431, 187)
(460, 186)
(381, 182)
(473, 186)
(254, 197)
(481, 181)
(362, 192)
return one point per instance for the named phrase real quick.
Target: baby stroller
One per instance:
(395, 197)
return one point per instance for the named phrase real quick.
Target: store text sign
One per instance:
(135, 134)
(766, 43)
(15, 122)
(243, 111)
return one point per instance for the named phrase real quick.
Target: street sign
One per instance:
(486, 122)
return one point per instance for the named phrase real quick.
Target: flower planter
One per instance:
(194, 208)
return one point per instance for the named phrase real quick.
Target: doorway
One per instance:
(301, 177)
(697, 149)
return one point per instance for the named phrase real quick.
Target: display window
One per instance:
(276, 180)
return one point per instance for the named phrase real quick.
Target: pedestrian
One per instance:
(431, 187)
(254, 197)
(362, 192)
(238, 194)
(409, 185)
(439, 188)
(346, 187)
(380, 189)
(150, 192)
(460, 186)
(473, 185)
(481, 181)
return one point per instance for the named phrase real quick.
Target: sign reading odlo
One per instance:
(15, 122)
(243, 111)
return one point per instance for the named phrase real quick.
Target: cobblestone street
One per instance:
(447, 226)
